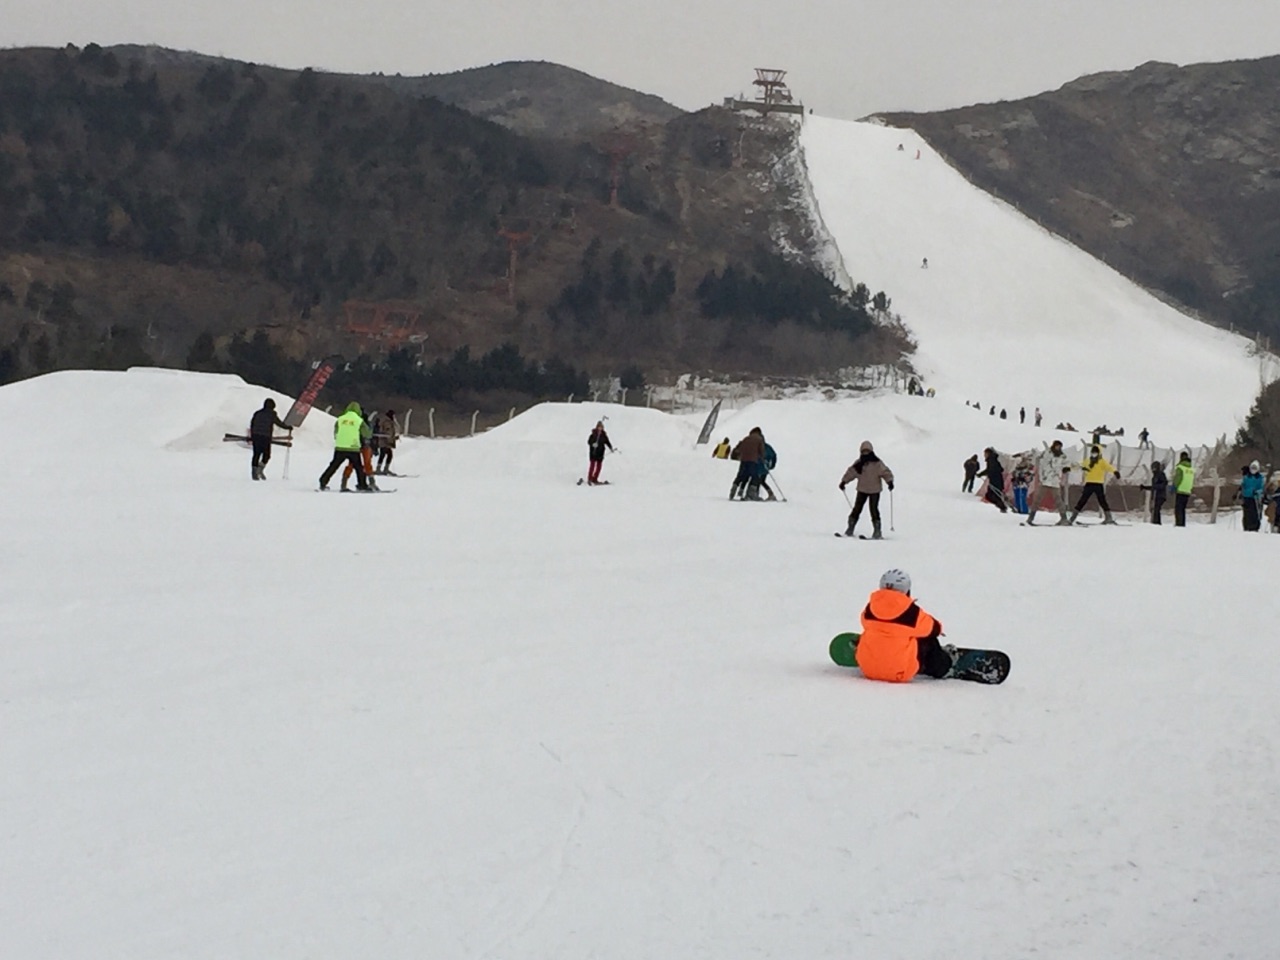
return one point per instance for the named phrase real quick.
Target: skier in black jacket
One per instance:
(596, 444)
(995, 479)
(261, 427)
(1159, 487)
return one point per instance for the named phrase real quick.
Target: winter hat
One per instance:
(1255, 467)
(895, 579)
(269, 404)
(866, 447)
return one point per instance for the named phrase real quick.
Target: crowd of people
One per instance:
(364, 448)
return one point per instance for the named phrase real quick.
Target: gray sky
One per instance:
(844, 59)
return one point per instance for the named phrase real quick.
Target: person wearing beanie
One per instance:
(871, 474)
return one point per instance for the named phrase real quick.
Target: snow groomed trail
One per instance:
(501, 715)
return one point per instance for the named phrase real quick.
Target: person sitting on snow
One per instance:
(899, 639)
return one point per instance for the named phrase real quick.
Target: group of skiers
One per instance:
(756, 458)
(1051, 473)
(356, 439)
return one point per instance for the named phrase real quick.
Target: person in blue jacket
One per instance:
(1251, 486)
(767, 463)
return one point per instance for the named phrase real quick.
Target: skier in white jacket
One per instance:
(1054, 475)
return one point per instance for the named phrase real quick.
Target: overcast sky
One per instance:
(845, 59)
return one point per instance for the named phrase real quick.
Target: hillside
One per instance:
(156, 201)
(1010, 316)
(1170, 174)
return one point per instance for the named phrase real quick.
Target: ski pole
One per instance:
(781, 496)
(891, 528)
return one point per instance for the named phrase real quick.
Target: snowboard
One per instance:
(980, 666)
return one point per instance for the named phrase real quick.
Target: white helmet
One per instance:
(895, 579)
(1255, 467)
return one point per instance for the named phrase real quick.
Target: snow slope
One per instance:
(499, 715)
(1010, 315)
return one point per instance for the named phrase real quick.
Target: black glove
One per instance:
(890, 484)
(841, 486)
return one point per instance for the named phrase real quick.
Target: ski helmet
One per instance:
(1255, 467)
(895, 579)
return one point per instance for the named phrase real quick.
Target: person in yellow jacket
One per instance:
(1184, 478)
(721, 452)
(1096, 469)
(349, 432)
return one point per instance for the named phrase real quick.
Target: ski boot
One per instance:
(1108, 518)
(875, 532)
(1071, 518)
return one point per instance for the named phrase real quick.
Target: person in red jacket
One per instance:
(899, 639)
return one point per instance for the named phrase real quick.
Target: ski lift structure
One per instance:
(384, 324)
(773, 95)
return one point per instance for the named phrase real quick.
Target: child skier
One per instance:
(899, 639)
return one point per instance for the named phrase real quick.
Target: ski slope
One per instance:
(1010, 315)
(498, 715)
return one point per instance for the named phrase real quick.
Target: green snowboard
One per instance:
(980, 666)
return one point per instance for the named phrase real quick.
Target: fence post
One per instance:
(407, 415)
(431, 422)
(1217, 494)
(473, 422)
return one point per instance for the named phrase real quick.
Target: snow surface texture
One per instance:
(1011, 315)
(502, 716)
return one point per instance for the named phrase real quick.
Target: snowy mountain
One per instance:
(1010, 315)
(501, 715)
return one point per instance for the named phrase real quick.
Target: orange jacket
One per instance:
(892, 627)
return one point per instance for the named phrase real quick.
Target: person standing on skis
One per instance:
(261, 428)
(597, 443)
(749, 453)
(899, 639)
(766, 464)
(1096, 469)
(871, 475)
(1159, 487)
(1252, 483)
(386, 431)
(1054, 469)
(349, 433)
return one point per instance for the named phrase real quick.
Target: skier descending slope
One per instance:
(871, 474)
(597, 441)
